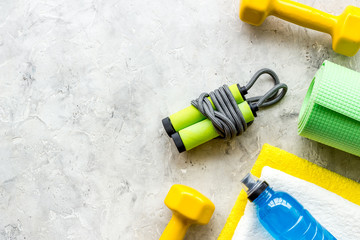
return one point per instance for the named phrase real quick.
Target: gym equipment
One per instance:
(275, 159)
(344, 28)
(188, 207)
(330, 113)
(218, 114)
(231, 120)
(201, 132)
(191, 115)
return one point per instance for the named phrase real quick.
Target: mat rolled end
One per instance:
(330, 113)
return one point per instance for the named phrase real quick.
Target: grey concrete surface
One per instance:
(85, 84)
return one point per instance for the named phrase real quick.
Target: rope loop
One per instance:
(227, 119)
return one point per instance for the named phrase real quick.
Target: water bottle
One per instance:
(281, 214)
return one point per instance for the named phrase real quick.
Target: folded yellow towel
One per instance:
(297, 167)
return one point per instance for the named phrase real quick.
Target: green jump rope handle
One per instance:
(202, 132)
(190, 115)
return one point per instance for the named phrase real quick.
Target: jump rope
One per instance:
(223, 113)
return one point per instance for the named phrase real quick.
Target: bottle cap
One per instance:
(253, 186)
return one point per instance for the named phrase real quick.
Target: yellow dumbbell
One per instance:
(344, 29)
(188, 207)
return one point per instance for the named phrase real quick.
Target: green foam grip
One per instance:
(190, 115)
(330, 113)
(204, 131)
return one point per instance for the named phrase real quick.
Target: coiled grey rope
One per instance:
(227, 119)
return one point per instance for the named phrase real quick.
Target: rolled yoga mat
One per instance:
(330, 113)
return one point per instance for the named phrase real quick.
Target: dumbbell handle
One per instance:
(176, 228)
(303, 15)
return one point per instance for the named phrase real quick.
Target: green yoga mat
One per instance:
(331, 110)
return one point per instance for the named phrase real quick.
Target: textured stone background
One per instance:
(85, 84)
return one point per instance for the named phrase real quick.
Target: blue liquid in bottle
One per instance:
(281, 214)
